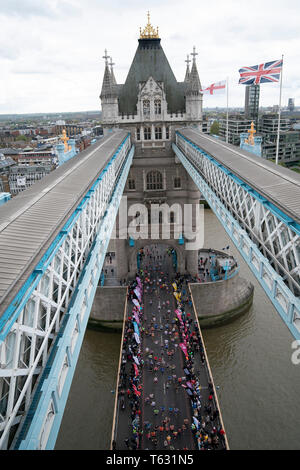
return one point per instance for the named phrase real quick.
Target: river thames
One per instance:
(258, 385)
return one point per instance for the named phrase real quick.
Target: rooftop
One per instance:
(150, 61)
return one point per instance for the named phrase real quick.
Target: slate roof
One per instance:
(193, 81)
(150, 60)
(109, 88)
(9, 151)
(6, 162)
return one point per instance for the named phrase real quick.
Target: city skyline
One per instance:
(51, 53)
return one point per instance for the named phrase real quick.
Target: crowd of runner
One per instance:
(160, 391)
(130, 385)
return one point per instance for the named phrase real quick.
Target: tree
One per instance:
(215, 128)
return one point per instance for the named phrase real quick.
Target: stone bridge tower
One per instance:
(151, 105)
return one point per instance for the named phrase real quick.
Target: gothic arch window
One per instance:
(154, 180)
(131, 183)
(146, 108)
(158, 133)
(147, 133)
(157, 106)
(177, 182)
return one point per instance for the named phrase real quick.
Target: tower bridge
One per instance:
(54, 236)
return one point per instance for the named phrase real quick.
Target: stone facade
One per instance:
(151, 105)
(108, 308)
(220, 302)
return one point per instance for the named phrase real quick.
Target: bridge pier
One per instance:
(122, 258)
(217, 300)
(220, 302)
(191, 262)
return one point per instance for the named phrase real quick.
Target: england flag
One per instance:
(215, 88)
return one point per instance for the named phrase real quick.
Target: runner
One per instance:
(162, 355)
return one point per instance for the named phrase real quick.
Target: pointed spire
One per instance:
(194, 84)
(114, 81)
(108, 85)
(187, 73)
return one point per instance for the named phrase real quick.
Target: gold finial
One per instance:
(65, 140)
(252, 131)
(149, 32)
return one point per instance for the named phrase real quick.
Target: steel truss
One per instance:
(41, 339)
(264, 236)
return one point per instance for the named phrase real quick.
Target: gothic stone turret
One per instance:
(151, 105)
(194, 96)
(109, 96)
(151, 94)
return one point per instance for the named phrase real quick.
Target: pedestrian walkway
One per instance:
(110, 272)
(215, 265)
(166, 398)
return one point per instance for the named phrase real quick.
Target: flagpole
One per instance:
(279, 114)
(227, 112)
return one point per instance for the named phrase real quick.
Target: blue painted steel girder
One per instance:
(285, 302)
(41, 426)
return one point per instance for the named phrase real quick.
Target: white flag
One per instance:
(136, 336)
(136, 360)
(136, 303)
(196, 422)
(215, 88)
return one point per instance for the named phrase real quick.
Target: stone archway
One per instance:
(138, 244)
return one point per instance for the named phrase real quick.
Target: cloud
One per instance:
(51, 51)
(32, 72)
(37, 8)
(8, 53)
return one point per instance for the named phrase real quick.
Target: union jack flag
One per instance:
(263, 73)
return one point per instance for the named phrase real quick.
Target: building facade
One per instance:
(289, 140)
(71, 129)
(22, 177)
(6, 163)
(252, 93)
(237, 125)
(291, 105)
(151, 105)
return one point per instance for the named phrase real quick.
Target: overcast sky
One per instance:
(51, 50)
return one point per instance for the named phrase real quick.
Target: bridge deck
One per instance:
(172, 398)
(30, 222)
(277, 184)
